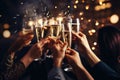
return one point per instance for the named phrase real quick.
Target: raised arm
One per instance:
(75, 61)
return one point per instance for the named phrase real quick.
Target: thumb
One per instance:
(65, 46)
(68, 56)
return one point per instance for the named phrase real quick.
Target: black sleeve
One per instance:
(103, 72)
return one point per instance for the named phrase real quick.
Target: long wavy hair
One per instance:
(109, 45)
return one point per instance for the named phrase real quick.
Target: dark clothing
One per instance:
(14, 72)
(56, 74)
(40, 71)
(101, 71)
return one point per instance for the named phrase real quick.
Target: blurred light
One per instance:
(52, 21)
(55, 7)
(96, 23)
(93, 48)
(87, 7)
(18, 15)
(89, 20)
(75, 6)
(95, 43)
(6, 34)
(0, 15)
(30, 23)
(60, 19)
(21, 3)
(93, 30)
(90, 33)
(81, 18)
(103, 6)
(81, 13)
(102, 25)
(68, 6)
(83, 1)
(114, 18)
(6, 26)
(108, 5)
(15, 22)
(40, 21)
(100, 2)
(14, 17)
(76, 2)
(97, 8)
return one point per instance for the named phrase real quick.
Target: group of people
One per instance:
(102, 67)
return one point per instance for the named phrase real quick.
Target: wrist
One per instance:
(92, 58)
(27, 60)
(57, 63)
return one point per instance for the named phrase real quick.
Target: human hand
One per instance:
(81, 41)
(73, 58)
(21, 41)
(59, 49)
(84, 48)
(35, 52)
(38, 48)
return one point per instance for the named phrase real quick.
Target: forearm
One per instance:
(27, 60)
(81, 73)
(92, 58)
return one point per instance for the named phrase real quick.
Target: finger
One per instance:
(81, 34)
(75, 34)
(65, 46)
(67, 56)
(70, 51)
(27, 43)
(43, 42)
(52, 40)
(59, 42)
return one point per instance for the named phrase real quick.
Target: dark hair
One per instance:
(109, 44)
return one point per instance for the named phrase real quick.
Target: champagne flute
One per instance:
(67, 37)
(75, 28)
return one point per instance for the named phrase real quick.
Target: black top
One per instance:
(101, 71)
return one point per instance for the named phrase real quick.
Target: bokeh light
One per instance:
(114, 19)
(6, 34)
